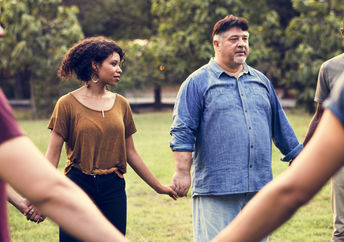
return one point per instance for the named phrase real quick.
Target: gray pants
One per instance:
(338, 205)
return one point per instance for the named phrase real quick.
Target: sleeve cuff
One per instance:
(182, 147)
(292, 154)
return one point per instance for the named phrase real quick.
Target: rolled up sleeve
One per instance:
(186, 115)
(283, 134)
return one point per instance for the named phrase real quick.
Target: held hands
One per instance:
(31, 212)
(181, 183)
(163, 189)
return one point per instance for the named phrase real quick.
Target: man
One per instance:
(320, 159)
(227, 114)
(330, 71)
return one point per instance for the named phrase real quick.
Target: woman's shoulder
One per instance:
(66, 98)
(121, 99)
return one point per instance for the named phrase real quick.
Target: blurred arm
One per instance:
(319, 160)
(56, 196)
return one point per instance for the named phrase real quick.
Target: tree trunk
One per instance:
(32, 99)
(18, 87)
(157, 97)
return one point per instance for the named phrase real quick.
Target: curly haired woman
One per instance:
(97, 127)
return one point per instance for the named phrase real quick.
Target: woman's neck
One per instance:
(94, 89)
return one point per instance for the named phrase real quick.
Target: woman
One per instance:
(97, 126)
(277, 201)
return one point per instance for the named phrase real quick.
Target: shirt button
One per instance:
(251, 146)
(245, 111)
(250, 166)
(249, 127)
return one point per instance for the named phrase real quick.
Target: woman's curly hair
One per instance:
(78, 59)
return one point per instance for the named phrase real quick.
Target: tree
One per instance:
(185, 28)
(116, 19)
(311, 38)
(38, 33)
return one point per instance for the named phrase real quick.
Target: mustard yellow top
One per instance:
(94, 144)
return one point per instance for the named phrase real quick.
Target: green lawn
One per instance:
(153, 217)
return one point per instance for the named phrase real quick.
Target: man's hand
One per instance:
(181, 182)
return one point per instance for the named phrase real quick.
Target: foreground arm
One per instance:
(319, 160)
(182, 179)
(29, 173)
(314, 123)
(23, 205)
(136, 162)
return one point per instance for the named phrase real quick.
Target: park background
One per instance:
(165, 40)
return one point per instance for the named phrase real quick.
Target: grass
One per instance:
(154, 217)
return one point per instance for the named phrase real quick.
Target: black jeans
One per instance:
(107, 192)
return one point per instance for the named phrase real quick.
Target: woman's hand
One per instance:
(163, 189)
(31, 213)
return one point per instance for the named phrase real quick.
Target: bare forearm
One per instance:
(69, 207)
(136, 162)
(182, 179)
(314, 123)
(15, 199)
(54, 148)
(182, 161)
(55, 195)
(317, 162)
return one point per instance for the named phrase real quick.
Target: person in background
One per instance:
(329, 73)
(32, 175)
(321, 158)
(224, 121)
(96, 126)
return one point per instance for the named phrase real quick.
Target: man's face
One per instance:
(232, 46)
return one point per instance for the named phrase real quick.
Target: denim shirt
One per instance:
(229, 125)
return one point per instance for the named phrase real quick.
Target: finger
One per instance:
(29, 213)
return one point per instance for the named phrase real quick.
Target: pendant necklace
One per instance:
(103, 113)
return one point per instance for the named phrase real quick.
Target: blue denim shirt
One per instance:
(229, 125)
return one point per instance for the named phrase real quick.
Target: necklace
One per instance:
(103, 113)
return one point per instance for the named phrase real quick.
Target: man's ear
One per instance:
(342, 31)
(216, 43)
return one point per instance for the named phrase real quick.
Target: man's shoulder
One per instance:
(200, 75)
(335, 61)
(203, 70)
(254, 72)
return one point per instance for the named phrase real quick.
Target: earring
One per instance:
(95, 80)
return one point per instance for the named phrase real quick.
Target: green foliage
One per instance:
(311, 38)
(38, 33)
(117, 19)
(186, 27)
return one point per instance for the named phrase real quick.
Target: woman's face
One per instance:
(110, 71)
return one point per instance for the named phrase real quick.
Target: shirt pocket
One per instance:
(221, 98)
(258, 94)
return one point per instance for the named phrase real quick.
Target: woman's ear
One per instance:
(94, 66)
